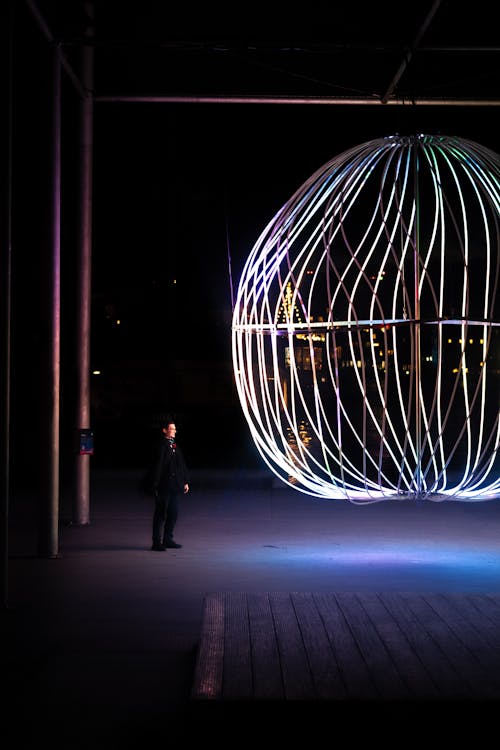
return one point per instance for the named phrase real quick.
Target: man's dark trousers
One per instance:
(165, 516)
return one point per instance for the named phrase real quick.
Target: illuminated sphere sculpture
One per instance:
(365, 335)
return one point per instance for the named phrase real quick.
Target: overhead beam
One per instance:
(44, 28)
(312, 100)
(409, 52)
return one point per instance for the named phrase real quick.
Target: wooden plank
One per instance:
(489, 606)
(495, 599)
(325, 647)
(237, 681)
(485, 631)
(467, 672)
(377, 658)
(482, 662)
(297, 678)
(406, 659)
(267, 679)
(323, 664)
(432, 656)
(209, 660)
(355, 675)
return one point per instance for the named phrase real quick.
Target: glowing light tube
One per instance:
(366, 333)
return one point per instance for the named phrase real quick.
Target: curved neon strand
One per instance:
(300, 237)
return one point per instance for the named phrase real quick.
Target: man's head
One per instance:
(169, 429)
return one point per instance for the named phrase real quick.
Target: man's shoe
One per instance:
(158, 548)
(172, 545)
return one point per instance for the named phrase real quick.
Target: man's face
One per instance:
(170, 430)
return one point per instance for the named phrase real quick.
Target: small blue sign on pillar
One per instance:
(86, 442)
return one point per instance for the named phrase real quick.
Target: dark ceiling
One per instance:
(441, 52)
(184, 191)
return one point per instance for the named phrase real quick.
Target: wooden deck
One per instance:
(369, 647)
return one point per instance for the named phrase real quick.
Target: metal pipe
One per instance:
(81, 500)
(356, 101)
(50, 38)
(416, 315)
(6, 316)
(409, 53)
(48, 537)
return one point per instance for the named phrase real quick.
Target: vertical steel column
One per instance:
(81, 498)
(48, 536)
(417, 354)
(6, 309)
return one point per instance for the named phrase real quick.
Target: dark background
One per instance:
(182, 191)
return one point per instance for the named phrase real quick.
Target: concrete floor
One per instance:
(101, 642)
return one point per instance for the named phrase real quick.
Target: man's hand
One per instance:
(186, 489)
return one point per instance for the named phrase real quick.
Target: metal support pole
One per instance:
(417, 354)
(81, 504)
(5, 316)
(48, 539)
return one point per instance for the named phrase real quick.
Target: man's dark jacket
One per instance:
(169, 471)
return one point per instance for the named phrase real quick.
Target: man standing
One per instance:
(170, 480)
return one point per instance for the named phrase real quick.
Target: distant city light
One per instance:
(343, 309)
